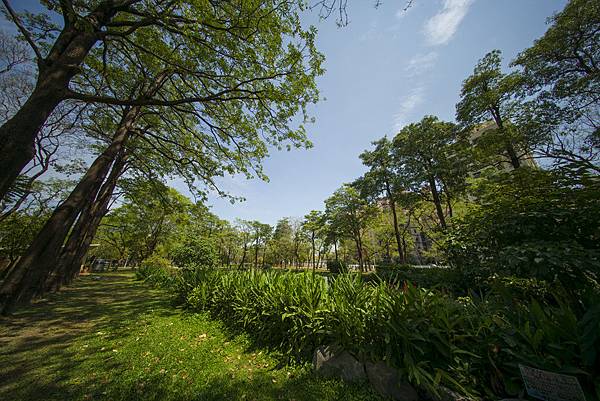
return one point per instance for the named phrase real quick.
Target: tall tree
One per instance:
(350, 214)
(251, 57)
(261, 234)
(245, 229)
(283, 242)
(384, 178)
(171, 112)
(17, 77)
(489, 94)
(432, 159)
(562, 72)
(313, 223)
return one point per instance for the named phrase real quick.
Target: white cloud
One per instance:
(440, 28)
(371, 33)
(420, 64)
(407, 105)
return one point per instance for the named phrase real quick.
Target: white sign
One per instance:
(549, 386)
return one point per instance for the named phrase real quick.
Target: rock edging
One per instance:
(329, 361)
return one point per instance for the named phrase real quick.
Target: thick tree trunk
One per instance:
(18, 134)
(73, 265)
(55, 71)
(31, 272)
(85, 229)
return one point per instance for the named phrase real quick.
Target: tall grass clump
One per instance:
(286, 311)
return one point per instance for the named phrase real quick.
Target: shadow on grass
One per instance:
(161, 388)
(34, 342)
(107, 337)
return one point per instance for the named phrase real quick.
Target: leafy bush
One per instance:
(531, 224)
(156, 270)
(469, 344)
(515, 289)
(388, 266)
(195, 250)
(442, 278)
(559, 338)
(337, 266)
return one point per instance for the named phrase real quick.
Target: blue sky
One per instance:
(385, 69)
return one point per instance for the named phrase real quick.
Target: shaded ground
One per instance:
(108, 337)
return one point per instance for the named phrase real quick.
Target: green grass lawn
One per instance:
(107, 337)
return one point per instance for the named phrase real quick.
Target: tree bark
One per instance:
(85, 229)
(312, 238)
(31, 272)
(437, 202)
(395, 219)
(18, 134)
(359, 250)
(508, 145)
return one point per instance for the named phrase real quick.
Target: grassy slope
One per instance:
(109, 338)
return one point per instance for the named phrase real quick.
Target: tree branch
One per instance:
(22, 29)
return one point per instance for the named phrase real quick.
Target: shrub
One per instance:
(387, 266)
(195, 250)
(337, 266)
(156, 270)
(531, 224)
(442, 278)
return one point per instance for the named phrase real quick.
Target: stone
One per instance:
(329, 362)
(386, 381)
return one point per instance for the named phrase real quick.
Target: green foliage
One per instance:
(441, 278)
(149, 220)
(431, 152)
(17, 231)
(532, 224)
(492, 109)
(564, 61)
(469, 344)
(558, 338)
(348, 215)
(194, 250)
(156, 270)
(515, 289)
(155, 352)
(337, 266)
(562, 74)
(282, 310)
